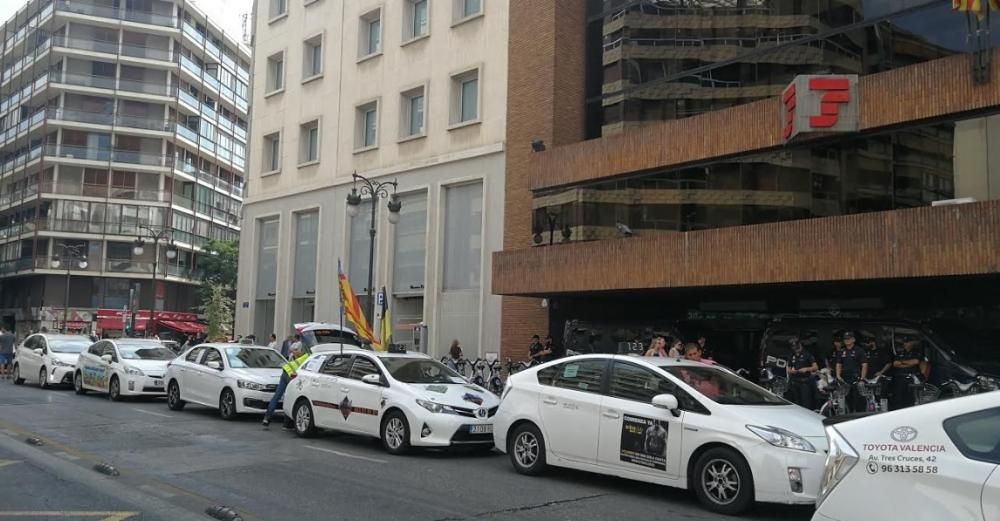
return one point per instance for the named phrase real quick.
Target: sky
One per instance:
(226, 13)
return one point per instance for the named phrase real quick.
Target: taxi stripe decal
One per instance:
(336, 407)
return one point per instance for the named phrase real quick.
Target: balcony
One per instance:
(21, 159)
(130, 15)
(183, 272)
(144, 122)
(15, 265)
(95, 153)
(190, 65)
(84, 44)
(103, 191)
(27, 28)
(80, 116)
(128, 266)
(21, 127)
(187, 133)
(189, 99)
(149, 53)
(145, 87)
(84, 80)
(137, 157)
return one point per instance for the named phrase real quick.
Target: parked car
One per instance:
(234, 378)
(937, 461)
(320, 333)
(48, 359)
(670, 422)
(123, 367)
(404, 399)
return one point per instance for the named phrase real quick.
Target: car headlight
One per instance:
(251, 386)
(435, 407)
(839, 462)
(59, 363)
(782, 438)
(987, 383)
(134, 371)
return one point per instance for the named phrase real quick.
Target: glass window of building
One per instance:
(275, 72)
(416, 24)
(277, 8)
(272, 152)
(467, 8)
(367, 126)
(312, 57)
(309, 142)
(463, 236)
(410, 245)
(304, 276)
(267, 276)
(358, 256)
(412, 115)
(370, 33)
(465, 97)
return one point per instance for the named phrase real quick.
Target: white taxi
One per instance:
(404, 399)
(48, 359)
(235, 378)
(664, 421)
(123, 367)
(941, 459)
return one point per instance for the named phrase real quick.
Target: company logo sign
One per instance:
(903, 434)
(820, 103)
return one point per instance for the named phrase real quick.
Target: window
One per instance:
(312, 57)
(410, 246)
(977, 435)
(212, 355)
(631, 382)
(337, 366)
(367, 126)
(412, 116)
(309, 142)
(304, 276)
(193, 355)
(464, 9)
(272, 152)
(370, 34)
(267, 277)
(415, 25)
(578, 375)
(465, 97)
(275, 72)
(362, 367)
(278, 8)
(463, 222)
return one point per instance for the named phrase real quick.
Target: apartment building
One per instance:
(119, 123)
(411, 91)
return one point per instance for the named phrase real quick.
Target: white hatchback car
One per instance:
(235, 378)
(404, 399)
(48, 359)
(676, 423)
(123, 367)
(939, 461)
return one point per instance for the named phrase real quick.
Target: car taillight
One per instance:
(841, 459)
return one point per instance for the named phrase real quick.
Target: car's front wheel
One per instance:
(114, 389)
(227, 405)
(78, 383)
(17, 375)
(395, 433)
(723, 482)
(527, 450)
(43, 382)
(305, 425)
(174, 401)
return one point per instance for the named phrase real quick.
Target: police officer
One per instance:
(801, 367)
(852, 367)
(906, 364)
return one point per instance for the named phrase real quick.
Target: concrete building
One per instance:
(409, 90)
(117, 122)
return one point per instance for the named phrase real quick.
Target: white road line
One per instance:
(346, 455)
(66, 455)
(161, 415)
(5, 462)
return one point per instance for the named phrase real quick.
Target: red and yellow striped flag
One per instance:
(352, 310)
(978, 7)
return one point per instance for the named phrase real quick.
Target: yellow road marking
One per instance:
(6, 462)
(104, 516)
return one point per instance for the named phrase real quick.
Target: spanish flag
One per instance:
(352, 309)
(977, 7)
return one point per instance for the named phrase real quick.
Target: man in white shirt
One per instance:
(273, 343)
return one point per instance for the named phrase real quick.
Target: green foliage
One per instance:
(219, 262)
(217, 307)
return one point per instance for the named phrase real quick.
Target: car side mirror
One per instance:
(38, 351)
(106, 358)
(667, 401)
(372, 379)
(214, 365)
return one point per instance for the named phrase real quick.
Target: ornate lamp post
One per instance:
(72, 256)
(156, 234)
(376, 190)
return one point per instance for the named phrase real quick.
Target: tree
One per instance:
(218, 309)
(219, 262)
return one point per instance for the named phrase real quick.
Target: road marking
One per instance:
(103, 516)
(346, 455)
(66, 455)
(157, 491)
(7, 462)
(161, 415)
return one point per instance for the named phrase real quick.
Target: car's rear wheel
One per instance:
(723, 482)
(527, 450)
(305, 425)
(78, 383)
(227, 405)
(43, 382)
(174, 401)
(395, 433)
(17, 375)
(114, 389)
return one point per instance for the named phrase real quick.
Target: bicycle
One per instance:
(479, 368)
(836, 398)
(871, 390)
(776, 384)
(496, 382)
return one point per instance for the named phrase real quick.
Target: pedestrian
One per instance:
(801, 367)
(286, 345)
(289, 370)
(455, 351)
(838, 344)
(676, 349)
(536, 350)
(657, 347)
(702, 341)
(6, 352)
(554, 351)
(692, 352)
(906, 365)
(852, 367)
(273, 344)
(296, 345)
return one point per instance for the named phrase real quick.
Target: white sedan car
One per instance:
(48, 359)
(123, 367)
(936, 461)
(235, 378)
(676, 423)
(405, 399)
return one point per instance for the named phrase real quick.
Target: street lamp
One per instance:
(377, 190)
(74, 257)
(156, 234)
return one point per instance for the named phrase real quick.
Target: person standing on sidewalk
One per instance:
(6, 352)
(288, 371)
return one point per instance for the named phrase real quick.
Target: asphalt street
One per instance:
(174, 465)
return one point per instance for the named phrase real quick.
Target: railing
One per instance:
(144, 122)
(137, 195)
(17, 196)
(209, 112)
(188, 98)
(137, 157)
(81, 116)
(187, 133)
(190, 65)
(15, 265)
(240, 132)
(152, 53)
(183, 272)
(78, 152)
(145, 87)
(31, 25)
(22, 158)
(22, 126)
(85, 80)
(185, 167)
(211, 81)
(132, 15)
(128, 266)
(105, 46)
(183, 202)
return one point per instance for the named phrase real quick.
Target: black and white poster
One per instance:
(644, 442)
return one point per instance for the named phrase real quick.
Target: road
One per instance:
(175, 465)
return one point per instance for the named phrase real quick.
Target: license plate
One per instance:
(481, 429)
(157, 383)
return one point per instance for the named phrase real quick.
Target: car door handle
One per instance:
(345, 390)
(550, 400)
(614, 415)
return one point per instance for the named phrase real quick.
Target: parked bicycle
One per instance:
(871, 390)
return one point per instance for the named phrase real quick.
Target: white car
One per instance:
(48, 359)
(123, 367)
(936, 461)
(332, 335)
(670, 422)
(234, 378)
(404, 399)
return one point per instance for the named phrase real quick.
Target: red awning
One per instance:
(182, 326)
(115, 323)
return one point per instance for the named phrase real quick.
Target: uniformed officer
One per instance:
(801, 367)
(905, 365)
(852, 367)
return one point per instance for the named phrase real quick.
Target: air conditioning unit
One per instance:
(951, 202)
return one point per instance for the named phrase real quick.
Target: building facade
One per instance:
(412, 91)
(119, 122)
(666, 166)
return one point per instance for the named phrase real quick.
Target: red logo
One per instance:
(836, 93)
(788, 98)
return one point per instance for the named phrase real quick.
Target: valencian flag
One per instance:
(352, 309)
(977, 7)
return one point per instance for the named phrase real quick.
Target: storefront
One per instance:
(165, 324)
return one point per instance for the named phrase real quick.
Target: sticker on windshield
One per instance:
(440, 389)
(570, 370)
(644, 442)
(315, 363)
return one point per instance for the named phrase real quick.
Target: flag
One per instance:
(352, 309)
(386, 329)
(977, 7)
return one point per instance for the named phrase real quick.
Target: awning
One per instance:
(182, 326)
(115, 323)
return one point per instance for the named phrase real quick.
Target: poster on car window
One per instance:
(644, 442)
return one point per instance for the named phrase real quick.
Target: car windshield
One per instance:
(68, 346)
(329, 336)
(145, 352)
(723, 387)
(420, 371)
(249, 358)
